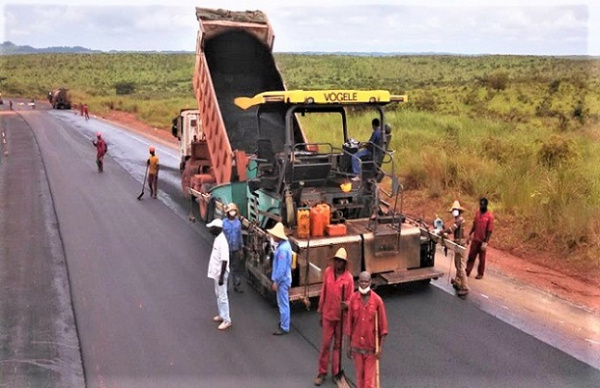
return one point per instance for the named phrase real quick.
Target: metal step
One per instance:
(411, 275)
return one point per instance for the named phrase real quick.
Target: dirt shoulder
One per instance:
(543, 270)
(546, 271)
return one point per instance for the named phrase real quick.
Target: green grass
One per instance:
(521, 130)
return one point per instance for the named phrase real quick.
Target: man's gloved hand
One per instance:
(483, 246)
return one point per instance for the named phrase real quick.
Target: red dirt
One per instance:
(130, 121)
(545, 270)
(548, 271)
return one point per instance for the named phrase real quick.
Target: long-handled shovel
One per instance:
(143, 184)
(340, 378)
(377, 349)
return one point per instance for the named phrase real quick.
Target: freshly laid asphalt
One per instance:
(99, 289)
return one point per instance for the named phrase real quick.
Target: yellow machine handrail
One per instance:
(321, 97)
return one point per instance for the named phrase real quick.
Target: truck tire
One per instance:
(211, 209)
(203, 204)
(207, 208)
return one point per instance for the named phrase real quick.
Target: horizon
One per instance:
(86, 50)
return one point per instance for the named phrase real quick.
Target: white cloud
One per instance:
(459, 26)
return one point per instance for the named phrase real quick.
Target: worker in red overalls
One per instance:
(101, 149)
(481, 231)
(365, 310)
(337, 288)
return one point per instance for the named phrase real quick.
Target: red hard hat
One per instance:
(151, 149)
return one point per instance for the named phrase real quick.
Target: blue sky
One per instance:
(533, 27)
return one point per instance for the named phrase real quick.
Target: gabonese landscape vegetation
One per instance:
(523, 131)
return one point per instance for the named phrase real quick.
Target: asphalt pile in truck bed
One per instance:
(240, 65)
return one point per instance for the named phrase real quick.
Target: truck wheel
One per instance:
(211, 209)
(203, 204)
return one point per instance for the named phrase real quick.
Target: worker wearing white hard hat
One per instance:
(281, 275)
(218, 270)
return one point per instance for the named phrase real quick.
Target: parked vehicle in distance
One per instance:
(60, 98)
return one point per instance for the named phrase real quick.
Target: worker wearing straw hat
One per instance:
(458, 236)
(281, 275)
(338, 285)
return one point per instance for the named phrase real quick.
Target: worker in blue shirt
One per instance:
(281, 276)
(368, 150)
(232, 227)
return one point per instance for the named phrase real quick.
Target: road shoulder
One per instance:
(40, 345)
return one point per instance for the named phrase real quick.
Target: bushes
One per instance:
(122, 88)
(496, 81)
(556, 151)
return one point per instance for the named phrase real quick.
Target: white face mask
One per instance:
(455, 213)
(272, 241)
(231, 214)
(364, 291)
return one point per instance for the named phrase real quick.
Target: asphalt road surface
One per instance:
(134, 273)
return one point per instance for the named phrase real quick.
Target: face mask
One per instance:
(272, 241)
(455, 213)
(231, 214)
(364, 291)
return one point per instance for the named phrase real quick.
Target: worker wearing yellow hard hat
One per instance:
(336, 290)
(153, 167)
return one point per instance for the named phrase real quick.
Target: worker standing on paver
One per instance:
(336, 290)
(366, 317)
(481, 231)
(457, 231)
(101, 149)
(153, 167)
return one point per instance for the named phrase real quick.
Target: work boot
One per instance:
(462, 292)
(319, 379)
(455, 284)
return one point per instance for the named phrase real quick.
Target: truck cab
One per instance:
(187, 129)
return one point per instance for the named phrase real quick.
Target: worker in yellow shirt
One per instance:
(153, 168)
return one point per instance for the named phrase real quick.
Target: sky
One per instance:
(533, 27)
